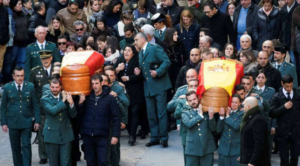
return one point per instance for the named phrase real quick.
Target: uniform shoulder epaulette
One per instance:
(31, 44)
(50, 42)
(153, 44)
(290, 64)
(35, 68)
(270, 88)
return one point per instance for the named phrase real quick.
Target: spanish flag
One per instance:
(92, 59)
(219, 73)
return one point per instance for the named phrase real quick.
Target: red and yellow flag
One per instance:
(92, 59)
(219, 73)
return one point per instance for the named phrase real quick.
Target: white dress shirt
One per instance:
(48, 70)
(290, 8)
(20, 87)
(286, 95)
(144, 48)
(44, 45)
(262, 88)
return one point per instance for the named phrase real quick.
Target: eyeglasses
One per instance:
(63, 43)
(81, 29)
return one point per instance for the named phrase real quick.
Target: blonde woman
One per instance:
(55, 29)
(92, 12)
(188, 31)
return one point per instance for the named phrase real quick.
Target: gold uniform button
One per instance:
(145, 72)
(60, 119)
(199, 129)
(229, 130)
(198, 124)
(59, 113)
(21, 101)
(147, 78)
(199, 134)
(20, 111)
(48, 127)
(20, 106)
(229, 141)
(229, 135)
(20, 95)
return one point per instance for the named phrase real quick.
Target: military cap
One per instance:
(282, 48)
(158, 17)
(45, 54)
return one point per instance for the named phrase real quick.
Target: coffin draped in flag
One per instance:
(77, 69)
(217, 79)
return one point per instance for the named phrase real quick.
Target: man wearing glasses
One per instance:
(62, 45)
(81, 35)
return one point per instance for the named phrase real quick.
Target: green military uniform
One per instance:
(58, 131)
(155, 89)
(160, 34)
(182, 105)
(229, 146)
(127, 41)
(174, 102)
(200, 143)
(287, 68)
(39, 78)
(33, 56)
(114, 152)
(17, 110)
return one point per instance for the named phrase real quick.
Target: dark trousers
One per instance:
(75, 143)
(288, 148)
(157, 116)
(144, 120)
(115, 154)
(8, 65)
(133, 119)
(21, 146)
(59, 154)
(42, 144)
(95, 150)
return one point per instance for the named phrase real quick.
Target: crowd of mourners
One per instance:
(153, 53)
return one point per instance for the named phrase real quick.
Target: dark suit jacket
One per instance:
(82, 41)
(134, 86)
(251, 16)
(255, 142)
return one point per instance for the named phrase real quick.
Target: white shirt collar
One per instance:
(48, 70)
(163, 29)
(262, 88)
(20, 84)
(152, 41)
(285, 93)
(290, 8)
(233, 111)
(145, 46)
(56, 97)
(44, 44)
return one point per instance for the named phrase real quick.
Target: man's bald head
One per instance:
(268, 46)
(195, 56)
(191, 74)
(249, 103)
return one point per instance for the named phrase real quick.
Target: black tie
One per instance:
(47, 72)
(260, 90)
(288, 96)
(142, 51)
(278, 66)
(19, 88)
(160, 32)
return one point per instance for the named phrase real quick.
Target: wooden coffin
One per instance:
(216, 97)
(76, 79)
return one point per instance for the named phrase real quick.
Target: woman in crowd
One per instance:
(112, 12)
(266, 26)
(89, 39)
(175, 52)
(230, 51)
(71, 47)
(92, 12)
(100, 28)
(248, 60)
(91, 46)
(27, 8)
(229, 127)
(111, 54)
(161, 23)
(230, 10)
(281, 3)
(55, 29)
(101, 42)
(188, 31)
(215, 52)
(21, 38)
(126, 18)
(125, 67)
(141, 11)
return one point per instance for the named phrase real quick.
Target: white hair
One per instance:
(148, 30)
(247, 36)
(40, 26)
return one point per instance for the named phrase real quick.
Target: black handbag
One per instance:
(154, 66)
